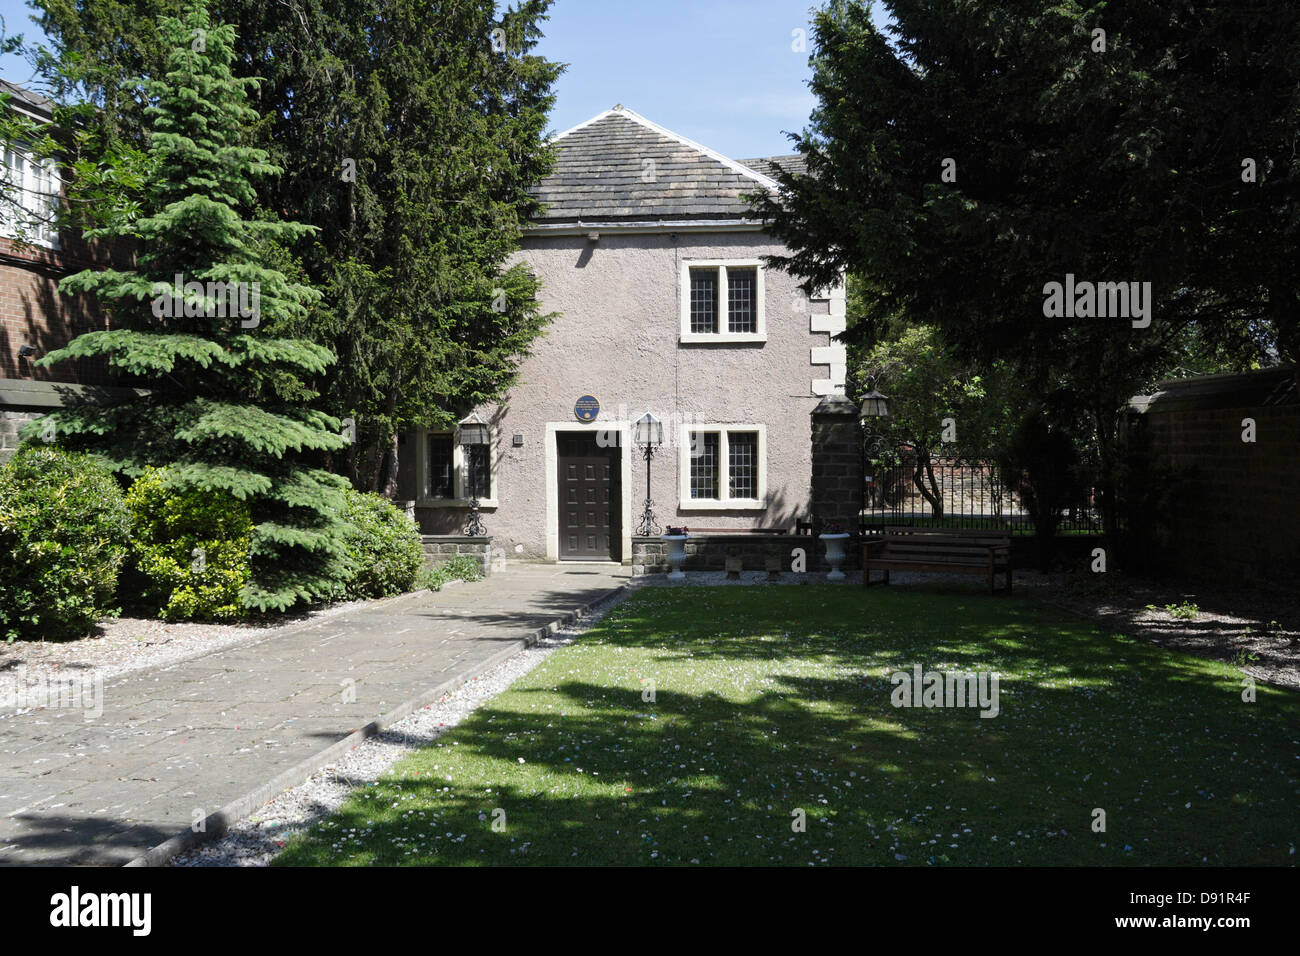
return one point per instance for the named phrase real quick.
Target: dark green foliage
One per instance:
(1124, 166)
(190, 549)
(1151, 492)
(63, 538)
(1040, 464)
(382, 548)
(224, 413)
(409, 134)
(446, 134)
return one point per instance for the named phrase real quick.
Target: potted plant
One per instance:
(772, 562)
(676, 539)
(734, 563)
(835, 538)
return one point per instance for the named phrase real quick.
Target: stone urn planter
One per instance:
(675, 538)
(835, 554)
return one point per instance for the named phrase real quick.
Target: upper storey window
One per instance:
(30, 197)
(722, 301)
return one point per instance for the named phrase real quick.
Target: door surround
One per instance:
(624, 430)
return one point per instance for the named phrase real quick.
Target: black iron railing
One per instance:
(953, 491)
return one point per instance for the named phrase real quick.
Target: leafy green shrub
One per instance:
(63, 538)
(463, 567)
(191, 548)
(1040, 464)
(382, 552)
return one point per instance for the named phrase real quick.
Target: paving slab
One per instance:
(194, 736)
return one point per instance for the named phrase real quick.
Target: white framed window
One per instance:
(722, 301)
(723, 467)
(448, 474)
(31, 197)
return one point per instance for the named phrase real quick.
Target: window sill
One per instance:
(722, 338)
(45, 245)
(483, 503)
(702, 504)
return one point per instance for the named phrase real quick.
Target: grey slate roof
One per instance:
(31, 101)
(620, 167)
(793, 163)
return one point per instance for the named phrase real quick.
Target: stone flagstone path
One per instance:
(191, 737)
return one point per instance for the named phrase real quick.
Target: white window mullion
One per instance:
(724, 466)
(457, 467)
(723, 299)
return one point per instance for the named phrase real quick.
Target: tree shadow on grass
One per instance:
(759, 716)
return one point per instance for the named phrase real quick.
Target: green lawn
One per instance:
(772, 700)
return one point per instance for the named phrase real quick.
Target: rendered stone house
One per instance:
(654, 261)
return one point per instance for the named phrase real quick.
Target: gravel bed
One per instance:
(1255, 630)
(132, 643)
(255, 841)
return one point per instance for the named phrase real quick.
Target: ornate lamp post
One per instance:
(649, 434)
(474, 433)
(874, 407)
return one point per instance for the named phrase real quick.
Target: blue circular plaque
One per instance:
(586, 408)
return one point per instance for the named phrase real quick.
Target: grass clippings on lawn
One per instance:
(691, 726)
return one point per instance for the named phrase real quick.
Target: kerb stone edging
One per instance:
(216, 824)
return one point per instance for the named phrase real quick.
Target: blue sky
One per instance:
(721, 72)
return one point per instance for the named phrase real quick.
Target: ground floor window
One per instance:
(454, 472)
(442, 466)
(723, 466)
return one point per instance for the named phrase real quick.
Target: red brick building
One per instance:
(35, 318)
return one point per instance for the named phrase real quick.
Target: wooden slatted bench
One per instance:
(938, 550)
(735, 531)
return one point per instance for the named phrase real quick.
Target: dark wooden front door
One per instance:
(590, 499)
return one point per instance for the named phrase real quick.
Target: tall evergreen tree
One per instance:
(980, 149)
(225, 408)
(410, 134)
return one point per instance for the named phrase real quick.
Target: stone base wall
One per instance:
(1235, 516)
(1223, 450)
(710, 552)
(440, 548)
(11, 424)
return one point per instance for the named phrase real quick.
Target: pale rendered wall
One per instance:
(617, 339)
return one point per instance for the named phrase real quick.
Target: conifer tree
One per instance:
(226, 407)
(411, 134)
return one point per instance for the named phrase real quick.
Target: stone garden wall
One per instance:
(709, 552)
(11, 424)
(1233, 513)
(440, 548)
